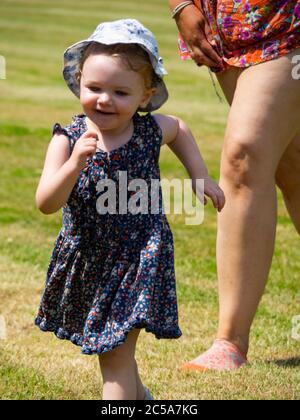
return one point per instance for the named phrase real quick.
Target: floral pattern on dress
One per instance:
(249, 32)
(111, 273)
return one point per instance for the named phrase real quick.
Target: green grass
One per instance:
(35, 365)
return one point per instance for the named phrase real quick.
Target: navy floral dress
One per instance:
(111, 273)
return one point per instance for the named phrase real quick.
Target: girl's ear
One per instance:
(78, 76)
(147, 97)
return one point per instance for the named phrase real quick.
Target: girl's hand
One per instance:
(197, 35)
(213, 191)
(84, 148)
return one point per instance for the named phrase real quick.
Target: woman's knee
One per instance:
(244, 165)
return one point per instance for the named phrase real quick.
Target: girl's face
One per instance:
(110, 94)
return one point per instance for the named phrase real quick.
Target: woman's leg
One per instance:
(263, 119)
(121, 380)
(288, 179)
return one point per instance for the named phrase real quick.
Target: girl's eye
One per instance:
(121, 93)
(94, 88)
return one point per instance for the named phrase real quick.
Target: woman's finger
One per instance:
(205, 54)
(209, 50)
(208, 34)
(201, 58)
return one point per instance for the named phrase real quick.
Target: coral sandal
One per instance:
(222, 356)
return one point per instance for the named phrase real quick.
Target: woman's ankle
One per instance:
(241, 342)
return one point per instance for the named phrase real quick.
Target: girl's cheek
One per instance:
(88, 97)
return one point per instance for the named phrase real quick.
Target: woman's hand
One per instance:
(197, 35)
(84, 148)
(212, 190)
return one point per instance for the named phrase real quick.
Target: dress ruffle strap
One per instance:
(57, 129)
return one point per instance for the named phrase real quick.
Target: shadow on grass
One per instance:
(292, 362)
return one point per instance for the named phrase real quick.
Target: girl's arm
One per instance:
(180, 140)
(61, 171)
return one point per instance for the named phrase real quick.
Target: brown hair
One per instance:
(133, 56)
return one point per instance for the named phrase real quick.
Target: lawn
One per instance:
(36, 365)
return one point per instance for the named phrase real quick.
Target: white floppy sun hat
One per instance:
(124, 31)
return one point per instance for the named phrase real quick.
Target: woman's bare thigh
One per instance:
(265, 106)
(228, 81)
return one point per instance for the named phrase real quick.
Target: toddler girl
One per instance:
(112, 273)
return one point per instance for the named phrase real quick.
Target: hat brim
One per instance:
(72, 59)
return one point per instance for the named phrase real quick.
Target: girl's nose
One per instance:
(104, 98)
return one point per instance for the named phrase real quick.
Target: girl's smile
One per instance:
(105, 113)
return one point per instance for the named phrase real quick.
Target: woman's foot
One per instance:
(222, 356)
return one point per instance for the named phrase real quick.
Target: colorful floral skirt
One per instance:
(248, 32)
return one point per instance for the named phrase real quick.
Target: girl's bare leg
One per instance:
(121, 380)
